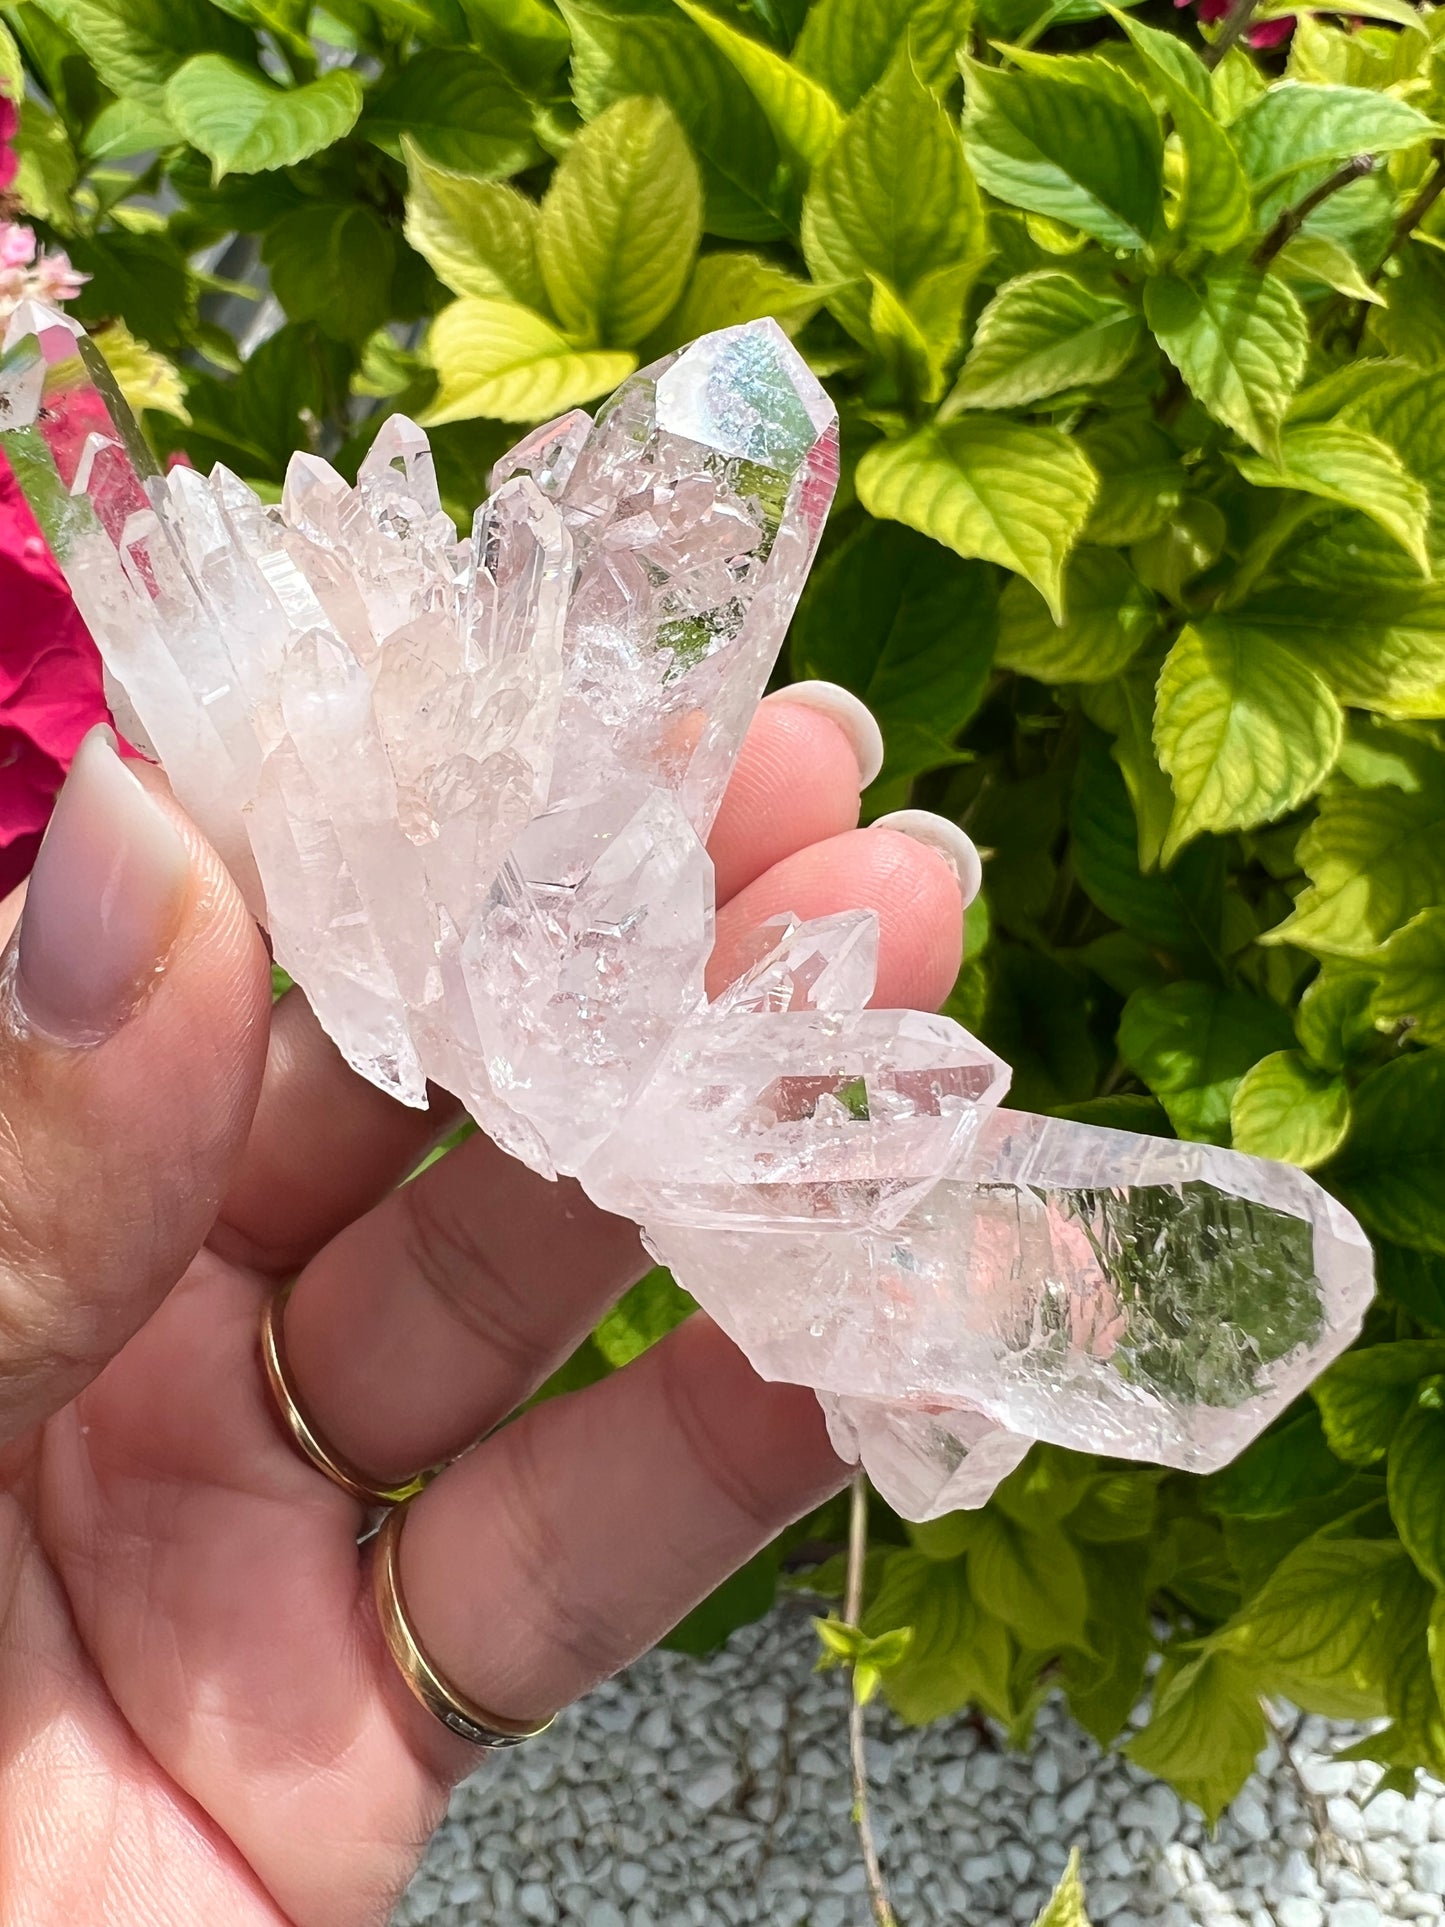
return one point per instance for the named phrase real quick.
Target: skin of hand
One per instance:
(199, 1719)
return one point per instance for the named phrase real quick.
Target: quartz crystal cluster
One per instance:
(467, 787)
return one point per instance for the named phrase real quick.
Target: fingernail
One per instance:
(853, 717)
(954, 845)
(104, 901)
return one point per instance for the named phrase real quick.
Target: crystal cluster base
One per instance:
(467, 787)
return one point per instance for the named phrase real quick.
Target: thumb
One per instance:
(133, 1018)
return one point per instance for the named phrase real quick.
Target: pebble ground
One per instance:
(715, 1794)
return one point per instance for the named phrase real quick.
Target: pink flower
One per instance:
(55, 279)
(9, 128)
(17, 245)
(50, 683)
(1269, 33)
(1272, 33)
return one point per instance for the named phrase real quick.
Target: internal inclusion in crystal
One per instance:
(468, 787)
(1210, 1287)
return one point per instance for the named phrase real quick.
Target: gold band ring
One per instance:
(457, 1713)
(303, 1434)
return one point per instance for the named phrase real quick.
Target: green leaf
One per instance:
(1405, 411)
(1411, 985)
(1288, 1467)
(1414, 1279)
(1072, 138)
(1110, 616)
(847, 45)
(1333, 1018)
(1317, 257)
(127, 128)
(904, 624)
(650, 47)
(1205, 1732)
(332, 265)
(653, 1307)
(1240, 340)
(1036, 1017)
(1042, 333)
(1285, 1108)
(1214, 208)
(494, 358)
(12, 65)
(136, 45)
(620, 224)
(1192, 1043)
(141, 278)
(1294, 126)
(526, 36)
(804, 116)
(47, 169)
(459, 109)
(480, 237)
(1357, 470)
(727, 288)
(1066, 1906)
(1105, 1684)
(1244, 729)
(1010, 493)
(1374, 858)
(146, 379)
(1175, 910)
(1320, 1628)
(1033, 1582)
(1141, 481)
(1189, 543)
(958, 1653)
(1125, 707)
(894, 202)
(1364, 1396)
(1417, 1482)
(1391, 1172)
(244, 124)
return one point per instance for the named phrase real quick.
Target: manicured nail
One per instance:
(104, 901)
(954, 845)
(853, 717)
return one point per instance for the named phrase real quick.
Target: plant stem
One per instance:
(1417, 210)
(1293, 218)
(883, 1913)
(1235, 23)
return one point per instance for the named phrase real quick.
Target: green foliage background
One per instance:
(1139, 348)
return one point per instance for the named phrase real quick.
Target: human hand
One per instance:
(199, 1718)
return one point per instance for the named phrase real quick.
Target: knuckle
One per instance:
(568, 1617)
(712, 1447)
(449, 1255)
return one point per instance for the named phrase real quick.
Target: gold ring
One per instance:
(458, 1714)
(307, 1440)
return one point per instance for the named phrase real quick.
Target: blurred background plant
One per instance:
(1136, 325)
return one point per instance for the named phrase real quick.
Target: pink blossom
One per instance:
(1272, 33)
(55, 279)
(9, 128)
(50, 683)
(1269, 33)
(17, 245)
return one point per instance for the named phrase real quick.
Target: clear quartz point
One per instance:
(467, 785)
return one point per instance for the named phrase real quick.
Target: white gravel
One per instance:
(715, 1794)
